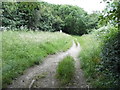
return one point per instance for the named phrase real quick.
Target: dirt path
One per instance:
(43, 75)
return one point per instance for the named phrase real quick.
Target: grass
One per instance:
(21, 50)
(0, 60)
(65, 70)
(91, 60)
(90, 57)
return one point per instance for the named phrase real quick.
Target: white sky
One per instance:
(87, 5)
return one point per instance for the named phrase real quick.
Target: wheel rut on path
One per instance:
(43, 75)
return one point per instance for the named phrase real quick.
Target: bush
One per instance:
(110, 63)
(65, 70)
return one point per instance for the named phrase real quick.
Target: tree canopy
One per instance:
(47, 17)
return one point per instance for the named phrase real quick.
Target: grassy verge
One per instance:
(100, 57)
(21, 50)
(65, 70)
(90, 58)
(0, 59)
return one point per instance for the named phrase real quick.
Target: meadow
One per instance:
(21, 50)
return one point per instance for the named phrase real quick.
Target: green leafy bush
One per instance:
(110, 58)
(65, 70)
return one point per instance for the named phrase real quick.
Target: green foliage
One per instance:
(9, 17)
(110, 59)
(27, 14)
(100, 57)
(47, 17)
(92, 20)
(73, 18)
(21, 50)
(65, 70)
(111, 14)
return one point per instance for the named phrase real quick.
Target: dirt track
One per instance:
(43, 75)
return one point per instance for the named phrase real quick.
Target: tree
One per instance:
(112, 13)
(9, 14)
(47, 17)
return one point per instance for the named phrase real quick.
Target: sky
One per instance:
(87, 5)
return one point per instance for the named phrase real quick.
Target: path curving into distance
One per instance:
(43, 75)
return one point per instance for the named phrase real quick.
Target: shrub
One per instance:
(110, 63)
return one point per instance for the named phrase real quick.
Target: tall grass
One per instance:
(89, 57)
(23, 49)
(0, 60)
(98, 59)
(65, 70)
